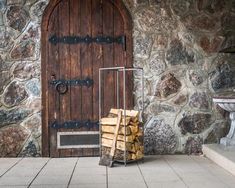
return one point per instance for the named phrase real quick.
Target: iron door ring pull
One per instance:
(61, 88)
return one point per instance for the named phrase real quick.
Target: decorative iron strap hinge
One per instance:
(88, 39)
(76, 125)
(61, 86)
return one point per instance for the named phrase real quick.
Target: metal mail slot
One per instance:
(70, 140)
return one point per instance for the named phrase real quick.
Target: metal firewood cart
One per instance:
(123, 71)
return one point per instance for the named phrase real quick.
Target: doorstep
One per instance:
(224, 156)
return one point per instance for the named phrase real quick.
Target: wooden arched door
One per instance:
(79, 37)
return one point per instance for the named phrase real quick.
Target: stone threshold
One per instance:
(221, 155)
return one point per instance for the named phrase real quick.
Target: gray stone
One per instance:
(1, 19)
(31, 149)
(194, 145)
(13, 116)
(12, 139)
(146, 18)
(35, 104)
(26, 70)
(168, 85)
(155, 2)
(15, 2)
(32, 32)
(222, 77)
(165, 22)
(211, 6)
(159, 137)
(37, 10)
(220, 130)
(195, 77)
(140, 103)
(157, 64)
(211, 138)
(195, 123)
(180, 7)
(211, 44)
(14, 94)
(5, 39)
(157, 108)
(199, 100)
(177, 54)
(5, 79)
(160, 42)
(142, 46)
(24, 50)
(200, 22)
(5, 65)
(2, 5)
(30, 2)
(17, 17)
(33, 124)
(180, 100)
(34, 87)
(232, 6)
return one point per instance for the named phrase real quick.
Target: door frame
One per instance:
(44, 75)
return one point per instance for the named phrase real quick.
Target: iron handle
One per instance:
(61, 88)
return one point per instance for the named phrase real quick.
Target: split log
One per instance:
(113, 121)
(110, 136)
(119, 155)
(130, 113)
(134, 129)
(119, 145)
(134, 135)
(111, 129)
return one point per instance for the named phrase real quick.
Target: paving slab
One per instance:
(48, 186)
(89, 186)
(170, 184)
(127, 185)
(224, 156)
(220, 173)
(51, 180)
(6, 164)
(169, 171)
(15, 181)
(88, 179)
(14, 186)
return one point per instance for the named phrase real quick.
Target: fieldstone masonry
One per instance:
(176, 42)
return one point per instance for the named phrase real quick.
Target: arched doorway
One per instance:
(79, 37)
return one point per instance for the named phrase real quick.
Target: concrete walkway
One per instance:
(176, 171)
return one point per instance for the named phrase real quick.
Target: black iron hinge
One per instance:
(76, 125)
(88, 39)
(61, 85)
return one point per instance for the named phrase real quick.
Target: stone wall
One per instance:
(175, 41)
(177, 44)
(20, 88)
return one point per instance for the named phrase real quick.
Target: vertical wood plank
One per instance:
(86, 64)
(109, 83)
(45, 129)
(53, 73)
(129, 62)
(76, 72)
(97, 58)
(64, 56)
(119, 53)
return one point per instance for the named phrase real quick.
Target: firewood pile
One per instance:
(133, 136)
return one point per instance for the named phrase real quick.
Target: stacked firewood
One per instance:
(130, 130)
